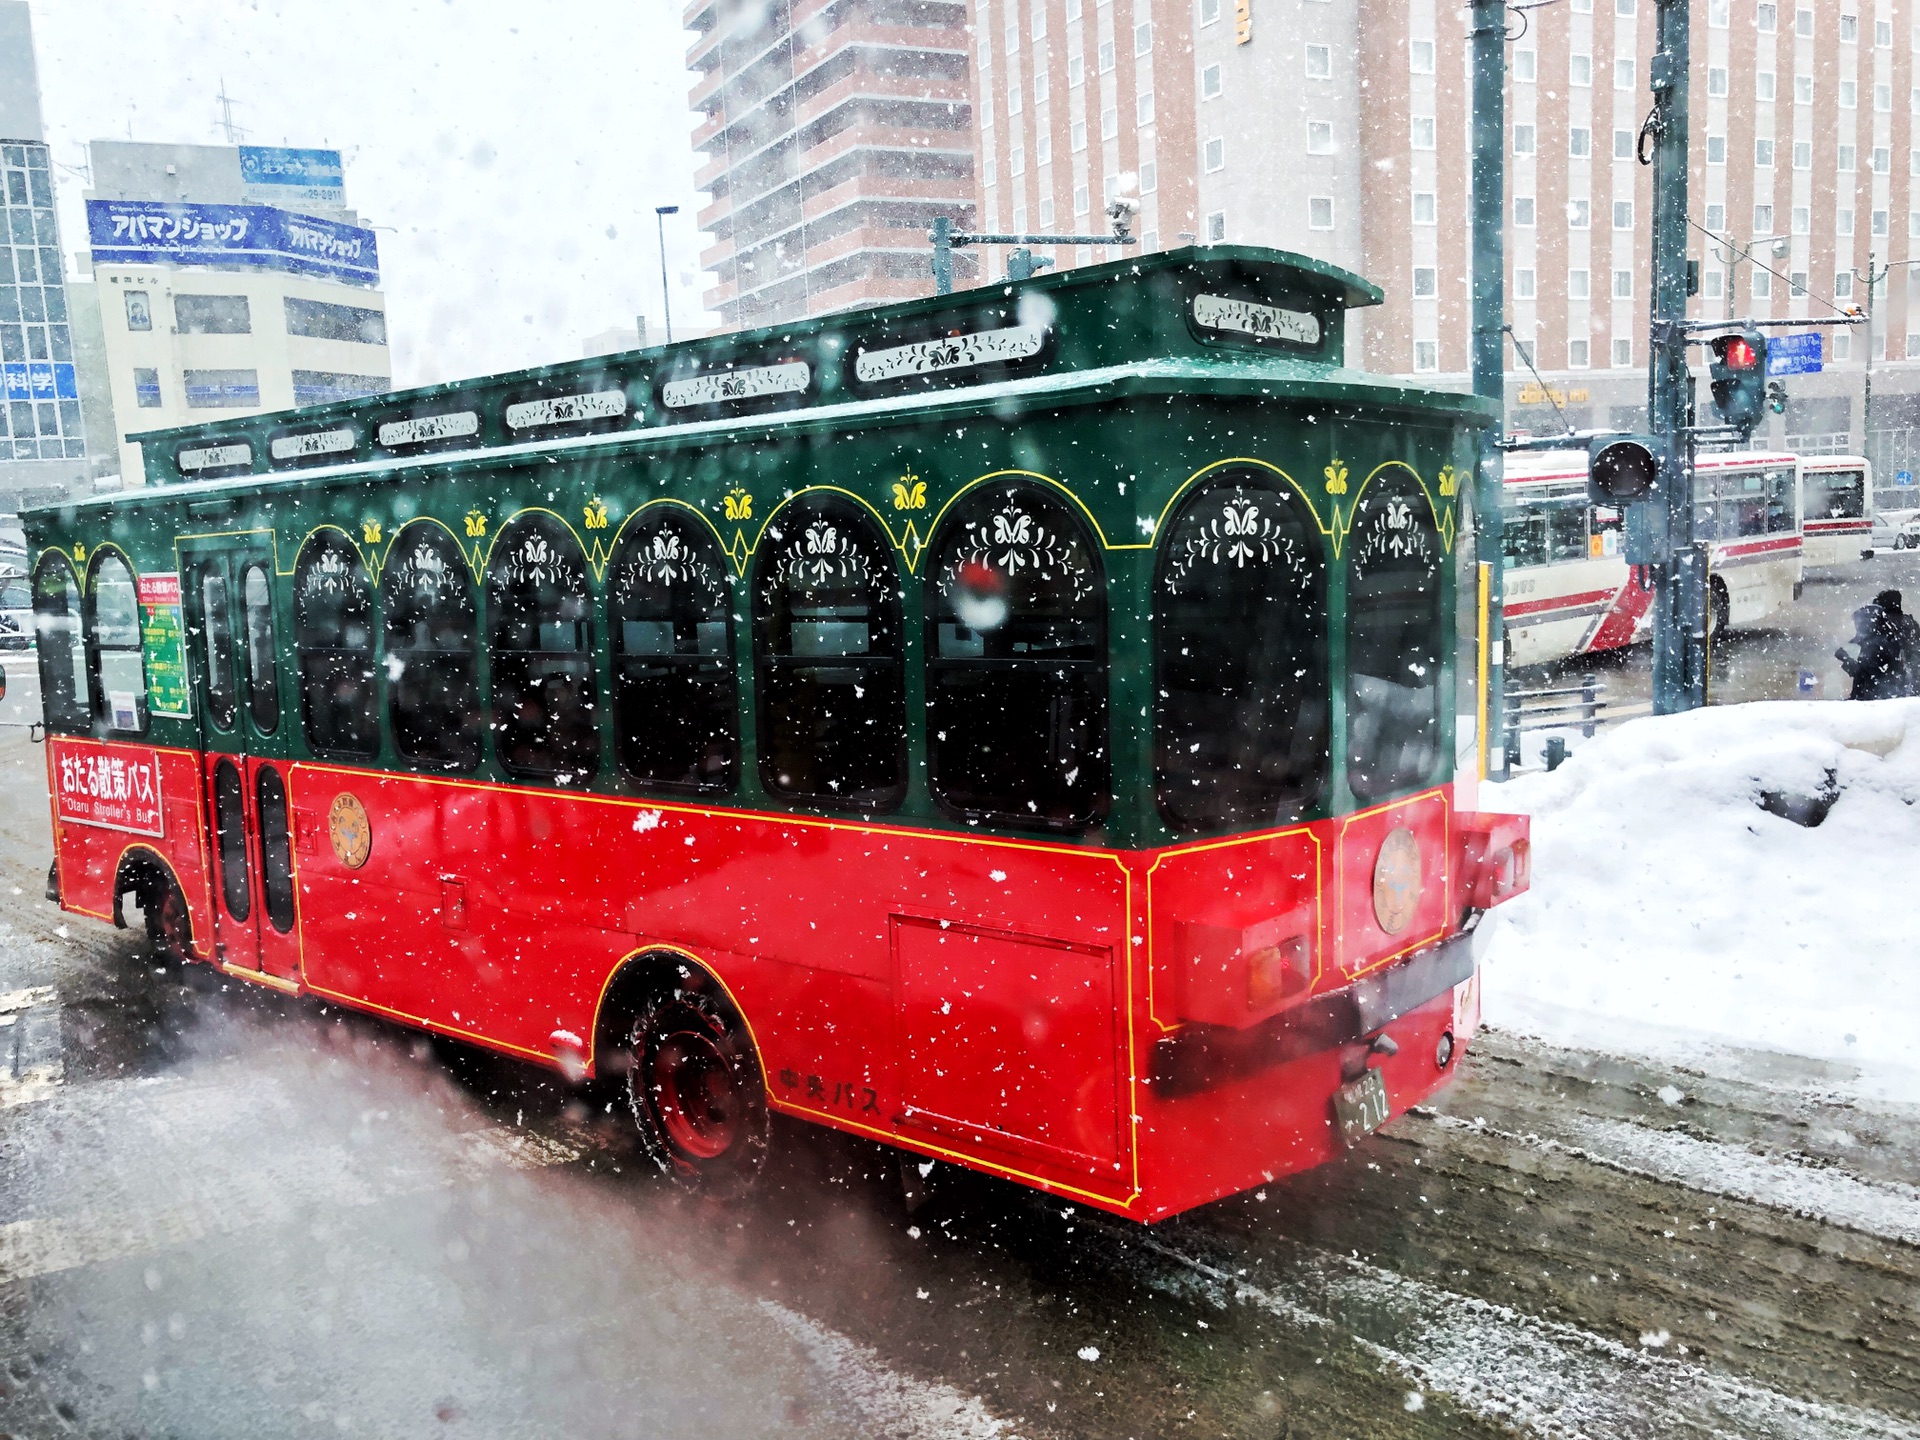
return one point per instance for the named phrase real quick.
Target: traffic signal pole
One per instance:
(1489, 341)
(1679, 569)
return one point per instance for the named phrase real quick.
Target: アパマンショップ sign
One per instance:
(115, 786)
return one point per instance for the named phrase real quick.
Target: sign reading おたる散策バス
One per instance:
(116, 787)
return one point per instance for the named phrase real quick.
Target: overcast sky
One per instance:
(516, 148)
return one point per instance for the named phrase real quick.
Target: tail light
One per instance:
(1238, 975)
(1497, 858)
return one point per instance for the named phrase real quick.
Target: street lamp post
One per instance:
(660, 213)
(1731, 256)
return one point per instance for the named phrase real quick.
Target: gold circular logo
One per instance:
(352, 836)
(1396, 881)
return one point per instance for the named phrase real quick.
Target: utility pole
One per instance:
(1679, 567)
(1489, 351)
(1874, 277)
(660, 213)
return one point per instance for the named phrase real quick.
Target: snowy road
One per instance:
(223, 1213)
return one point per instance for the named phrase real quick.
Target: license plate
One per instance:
(1360, 1107)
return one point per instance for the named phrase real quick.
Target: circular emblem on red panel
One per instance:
(348, 829)
(1396, 881)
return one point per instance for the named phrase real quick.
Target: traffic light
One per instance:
(1739, 371)
(1623, 469)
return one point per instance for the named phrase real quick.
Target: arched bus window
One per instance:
(539, 625)
(832, 695)
(1016, 647)
(263, 671)
(333, 635)
(671, 612)
(66, 694)
(113, 641)
(1241, 712)
(1395, 632)
(430, 630)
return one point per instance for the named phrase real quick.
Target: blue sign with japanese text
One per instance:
(41, 380)
(260, 237)
(1794, 354)
(277, 176)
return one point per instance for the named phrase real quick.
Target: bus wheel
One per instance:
(697, 1093)
(169, 929)
(1722, 609)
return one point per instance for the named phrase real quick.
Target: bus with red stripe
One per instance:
(1836, 508)
(1569, 590)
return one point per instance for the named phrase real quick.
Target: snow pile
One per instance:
(1672, 905)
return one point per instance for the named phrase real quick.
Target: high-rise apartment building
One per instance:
(834, 132)
(43, 453)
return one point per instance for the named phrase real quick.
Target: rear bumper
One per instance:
(1199, 1057)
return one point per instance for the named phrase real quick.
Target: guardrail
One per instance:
(1560, 708)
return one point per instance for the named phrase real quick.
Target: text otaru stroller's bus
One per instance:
(1018, 727)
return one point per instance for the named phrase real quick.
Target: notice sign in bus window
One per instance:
(116, 787)
(162, 638)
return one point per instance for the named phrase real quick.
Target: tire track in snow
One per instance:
(1542, 1377)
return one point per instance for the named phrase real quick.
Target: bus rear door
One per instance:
(229, 593)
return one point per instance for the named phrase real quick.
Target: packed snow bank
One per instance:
(1671, 913)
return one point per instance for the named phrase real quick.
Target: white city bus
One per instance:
(1835, 508)
(1569, 590)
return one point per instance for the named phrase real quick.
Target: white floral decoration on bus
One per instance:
(1013, 539)
(1244, 532)
(665, 558)
(329, 573)
(534, 562)
(1395, 534)
(820, 555)
(424, 570)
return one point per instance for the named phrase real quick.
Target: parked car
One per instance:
(1896, 530)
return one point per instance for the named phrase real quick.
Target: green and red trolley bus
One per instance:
(1017, 726)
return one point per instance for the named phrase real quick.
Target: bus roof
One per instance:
(1231, 319)
(1833, 462)
(1546, 467)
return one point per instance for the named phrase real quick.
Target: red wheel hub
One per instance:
(693, 1085)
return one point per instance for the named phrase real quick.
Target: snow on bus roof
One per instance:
(1544, 467)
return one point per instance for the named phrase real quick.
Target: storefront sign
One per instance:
(275, 175)
(148, 232)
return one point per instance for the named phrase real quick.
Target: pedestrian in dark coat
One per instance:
(1877, 671)
(1908, 629)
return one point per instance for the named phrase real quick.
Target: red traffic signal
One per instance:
(1738, 369)
(1739, 354)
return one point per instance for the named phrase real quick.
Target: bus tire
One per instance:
(696, 1089)
(169, 926)
(1720, 606)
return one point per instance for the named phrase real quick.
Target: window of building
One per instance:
(1422, 132)
(322, 320)
(1217, 225)
(1046, 212)
(1215, 153)
(1763, 86)
(1242, 728)
(1717, 13)
(989, 171)
(1763, 219)
(1209, 12)
(1579, 354)
(1525, 65)
(1396, 632)
(1882, 160)
(222, 389)
(1711, 282)
(1878, 221)
(1849, 29)
(1579, 284)
(1014, 98)
(828, 658)
(1579, 214)
(1803, 154)
(1797, 284)
(1582, 7)
(1622, 352)
(1623, 7)
(671, 615)
(1716, 149)
(1843, 221)
(1841, 345)
(1849, 94)
(1623, 144)
(66, 691)
(1319, 137)
(1426, 355)
(1420, 57)
(1765, 17)
(540, 639)
(139, 310)
(1210, 83)
(323, 387)
(1039, 22)
(1716, 80)
(1016, 661)
(1579, 142)
(1020, 219)
(1078, 136)
(430, 629)
(1803, 89)
(1109, 123)
(1580, 69)
(1762, 284)
(1883, 97)
(1143, 108)
(212, 315)
(1040, 88)
(1523, 286)
(1319, 62)
(1149, 178)
(1523, 139)
(146, 388)
(1143, 38)
(1076, 70)
(1523, 212)
(116, 660)
(1802, 221)
(1623, 76)
(1803, 23)
(1425, 211)
(1524, 349)
(1320, 212)
(1079, 200)
(1763, 153)
(263, 659)
(1017, 160)
(1426, 283)
(1106, 57)
(333, 638)
(1623, 284)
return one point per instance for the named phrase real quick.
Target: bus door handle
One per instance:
(453, 902)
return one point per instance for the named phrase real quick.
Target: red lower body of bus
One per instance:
(1141, 1031)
